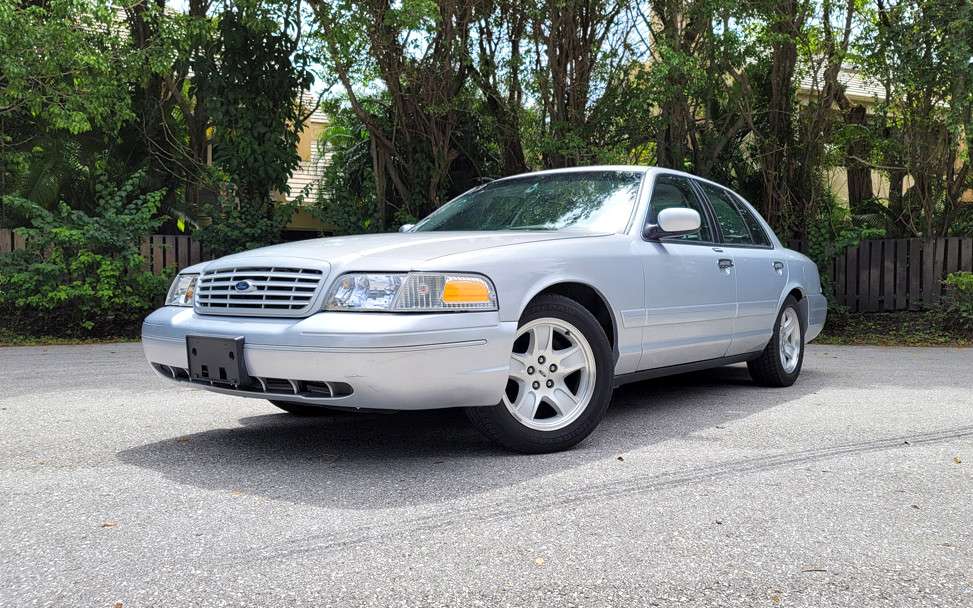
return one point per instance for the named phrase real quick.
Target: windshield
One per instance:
(599, 201)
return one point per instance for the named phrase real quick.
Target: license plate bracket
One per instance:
(217, 360)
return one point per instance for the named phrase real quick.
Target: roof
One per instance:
(858, 87)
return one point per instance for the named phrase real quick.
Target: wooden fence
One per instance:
(897, 274)
(161, 251)
(875, 275)
(170, 251)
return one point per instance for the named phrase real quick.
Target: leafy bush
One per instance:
(958, 302)
(833, 231)
(238, 225)
(346, 201)
(82, 275)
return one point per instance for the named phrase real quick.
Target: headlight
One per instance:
(411, 292)
(181, 292)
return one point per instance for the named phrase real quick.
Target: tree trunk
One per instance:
(776, 158)
(856, 164)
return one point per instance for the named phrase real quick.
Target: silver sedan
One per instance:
(525, 301)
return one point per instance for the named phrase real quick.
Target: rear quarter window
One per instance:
(757, 232)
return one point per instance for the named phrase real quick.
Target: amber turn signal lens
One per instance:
(466, 291)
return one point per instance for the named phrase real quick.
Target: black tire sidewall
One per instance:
(768, 369)
(789, 302)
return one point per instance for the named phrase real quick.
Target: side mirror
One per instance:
(406, 227)
(674, 221)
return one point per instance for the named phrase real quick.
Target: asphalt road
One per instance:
(854, 487)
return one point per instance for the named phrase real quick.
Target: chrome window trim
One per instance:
(736, 199)
(714, 227)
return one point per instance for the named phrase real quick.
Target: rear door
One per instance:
(761, 273)
(690, 286)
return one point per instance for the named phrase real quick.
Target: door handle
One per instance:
(779, 266)
(725, 263)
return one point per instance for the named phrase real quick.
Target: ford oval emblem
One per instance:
(243, 286)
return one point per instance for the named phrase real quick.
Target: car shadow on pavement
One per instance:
(383, 460)
(387, 460)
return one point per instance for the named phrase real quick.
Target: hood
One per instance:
(394, 251)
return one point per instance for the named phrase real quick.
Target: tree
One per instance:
(586, 76)
(62, 96)
(701, 109)
(172, 110)
(416, 51)
(498, 66)
(255, 104)
(923, 55)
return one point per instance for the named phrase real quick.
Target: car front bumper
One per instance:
(389, 361)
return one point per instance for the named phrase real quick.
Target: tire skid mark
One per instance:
(510, 509)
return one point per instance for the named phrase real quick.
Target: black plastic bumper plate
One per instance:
(217, 360)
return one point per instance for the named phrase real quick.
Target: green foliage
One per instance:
(82, 275)
(254, 103)
(346, 197)
(63, 96)
(958, 302)
(58, 72)
(257, 118)
(231, 225)
(831, 232)
(922, 52)
(904, 328)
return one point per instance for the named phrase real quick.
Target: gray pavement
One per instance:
(854, 487)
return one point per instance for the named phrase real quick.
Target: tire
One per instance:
(774, 367)
(545, 408)
(301, 409)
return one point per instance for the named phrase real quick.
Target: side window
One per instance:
(674, 191)
(756, 230)
(734, 227)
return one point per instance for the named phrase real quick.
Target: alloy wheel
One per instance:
(552, 375)
(790, 340)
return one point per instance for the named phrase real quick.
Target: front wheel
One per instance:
(560, 382)
(780, 362)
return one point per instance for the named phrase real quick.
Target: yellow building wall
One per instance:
(309, 137)
(302, 220)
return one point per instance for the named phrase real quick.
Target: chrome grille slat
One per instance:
(275, 290)
(258, 293)
(301, 285)
(249, 273)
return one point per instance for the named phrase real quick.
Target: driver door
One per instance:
(690, 285)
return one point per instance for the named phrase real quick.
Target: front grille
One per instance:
(272, 291)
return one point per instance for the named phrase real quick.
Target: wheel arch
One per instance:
(591, 298)
(802, 303)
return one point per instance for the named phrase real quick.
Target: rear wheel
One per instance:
(780, 362)
(560, 381)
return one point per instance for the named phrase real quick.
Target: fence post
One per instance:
(901, 272)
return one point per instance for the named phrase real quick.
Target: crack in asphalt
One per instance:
(510, 509)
